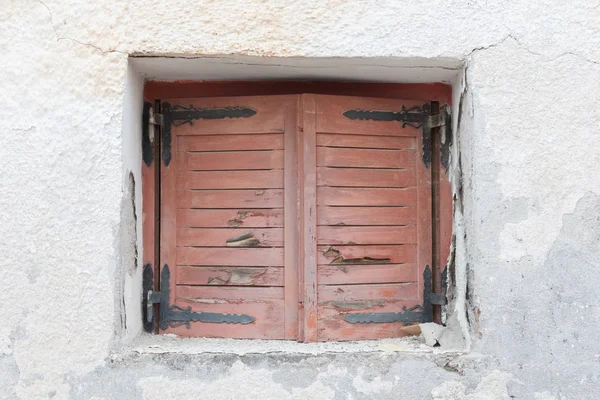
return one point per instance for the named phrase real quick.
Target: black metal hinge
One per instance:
(178, 114)
(150, 120)
(417, 117)
(174, 315)
(416, 314)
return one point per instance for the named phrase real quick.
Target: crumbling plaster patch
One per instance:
(533, 170)
(270, 375)
(492, 386)
(524, 235)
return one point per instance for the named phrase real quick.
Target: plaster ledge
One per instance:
(171, 344)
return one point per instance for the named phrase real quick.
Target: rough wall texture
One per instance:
(529, 195)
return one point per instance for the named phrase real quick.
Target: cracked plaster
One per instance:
(527, 203)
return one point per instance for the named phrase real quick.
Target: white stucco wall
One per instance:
(528, 74)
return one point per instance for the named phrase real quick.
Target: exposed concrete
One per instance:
(273, 376)
(526, 79)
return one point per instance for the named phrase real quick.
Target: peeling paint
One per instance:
(244, 240)
(338, 258)
(239, 220)
(354, 305)
(236, 276)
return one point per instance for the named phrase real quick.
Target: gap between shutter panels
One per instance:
(356, 178)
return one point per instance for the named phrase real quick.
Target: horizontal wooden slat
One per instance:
(330, 118)
(272, 198)
(268, 324)
(230, 142)
(332, 325)
(366, 215)
(258, 237)
(365, 158)
(230, 160)
(364, 141)
(212, 293)
(370, 292)
(195, 218)
(329, 196)
(230, 276)
(366, 177)
(269, 115)
(353, 235)
(390, 254)
(269, 257)
(353, 274)
(270, 179)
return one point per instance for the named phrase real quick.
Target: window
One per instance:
(296, 216)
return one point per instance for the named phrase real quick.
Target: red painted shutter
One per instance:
(291, 220)
(226, 196)
(372, 193)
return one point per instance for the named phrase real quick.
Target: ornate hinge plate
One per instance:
(406, 316)
(173, 315)
(180, 114)
(177, 115)
(415, 314)
(416, 117)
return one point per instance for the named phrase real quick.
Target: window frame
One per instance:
(154, 91)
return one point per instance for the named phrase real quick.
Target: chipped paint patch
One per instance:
(338, 258)
(244, 240)
(239, 220)
(354, 305)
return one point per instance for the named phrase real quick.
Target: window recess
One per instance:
(301, 216)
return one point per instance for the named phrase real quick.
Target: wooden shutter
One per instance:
(294, 217)
(227, 196)
(366, 214)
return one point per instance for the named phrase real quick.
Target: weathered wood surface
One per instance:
(250, 257)
(365, 141)
(230, 218)
(361, 273)
(364, 216)
(368, 292)
(213, 293)
(335, 196)
(231, 160)
(361, 177)
(249, 198)
(291, 214)
(308, 181)
(364, 158)
(230, 142)
(230, 276)
(360, 235)
(267, 179)
(230, 237)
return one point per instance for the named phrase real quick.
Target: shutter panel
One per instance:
(294, 217)
(372, 193)
(228, 191)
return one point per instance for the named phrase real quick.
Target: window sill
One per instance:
(170, 344)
